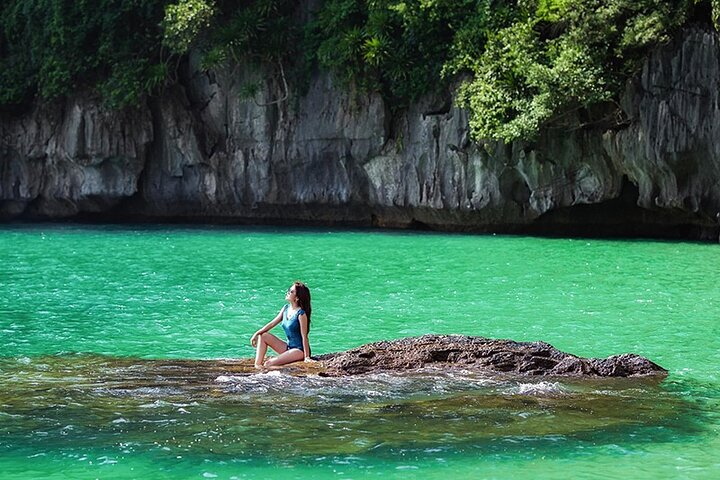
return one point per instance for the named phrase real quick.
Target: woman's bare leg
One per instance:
(265, 340)
(292, 355)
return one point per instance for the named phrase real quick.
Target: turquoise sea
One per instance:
(117, 348)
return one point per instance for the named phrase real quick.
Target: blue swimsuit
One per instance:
(292, 328)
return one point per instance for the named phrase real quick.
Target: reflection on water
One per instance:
(226, 408)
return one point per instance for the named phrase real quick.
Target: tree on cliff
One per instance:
(518, 65)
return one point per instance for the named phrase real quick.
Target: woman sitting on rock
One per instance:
(295, 319)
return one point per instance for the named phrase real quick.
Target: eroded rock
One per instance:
(479, 353)
(333, 156)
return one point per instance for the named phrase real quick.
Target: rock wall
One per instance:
(201, 151)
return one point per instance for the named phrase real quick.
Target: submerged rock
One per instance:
(478, 353)
(228, 408)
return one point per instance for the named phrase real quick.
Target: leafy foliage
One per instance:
(561, 55)
(259, 30)
(522, 64)
(48, 47)
(124, 48)
(530, 61)
(396, 47)
(184, 21)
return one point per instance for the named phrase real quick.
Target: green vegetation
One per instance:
(50, 47)
(559, 56)
(259, 30)
(126, 49)
(518, 66)
(397, 48)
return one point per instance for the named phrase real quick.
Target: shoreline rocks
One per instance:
(484, 354)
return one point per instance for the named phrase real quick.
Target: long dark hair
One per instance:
(303, 298)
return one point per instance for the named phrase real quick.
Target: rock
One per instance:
(333, 156)
(483, 354)
(71, 156)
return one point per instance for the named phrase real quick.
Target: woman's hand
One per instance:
(309, 360)
(253, 339)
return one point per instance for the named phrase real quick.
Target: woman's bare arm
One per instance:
(304, 333)
(268, 326)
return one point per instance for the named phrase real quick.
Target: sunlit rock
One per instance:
(200, 151)
(483, 354)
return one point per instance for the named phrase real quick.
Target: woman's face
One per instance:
(291, 295)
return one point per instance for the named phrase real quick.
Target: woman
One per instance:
(295, 319)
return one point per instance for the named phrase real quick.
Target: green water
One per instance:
(106, 337)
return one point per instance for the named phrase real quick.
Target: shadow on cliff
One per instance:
(621, 217)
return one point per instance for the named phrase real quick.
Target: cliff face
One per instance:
(201, 151)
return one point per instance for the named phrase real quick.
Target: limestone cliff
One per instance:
(201, 151)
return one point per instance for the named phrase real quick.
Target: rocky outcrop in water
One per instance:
(483, 354)
(201, 151)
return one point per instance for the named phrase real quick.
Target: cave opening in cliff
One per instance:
(621, 217)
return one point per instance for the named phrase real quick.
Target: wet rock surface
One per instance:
(78, 402)
(484, 354)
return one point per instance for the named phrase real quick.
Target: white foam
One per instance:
(540, 388)
(369, 387)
